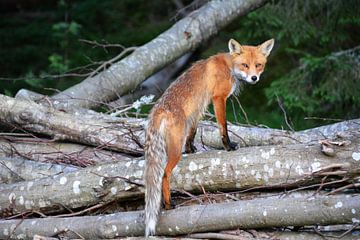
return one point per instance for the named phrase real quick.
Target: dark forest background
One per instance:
(312, 77)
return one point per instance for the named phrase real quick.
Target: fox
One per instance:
(173, 120)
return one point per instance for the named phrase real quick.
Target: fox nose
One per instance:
(254, 78)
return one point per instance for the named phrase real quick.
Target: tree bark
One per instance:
(17, 169)
(42, 150)
(285, 166)
(63, 126)
(246, 214)
(208, 134)
(182, 37)
(307, 234)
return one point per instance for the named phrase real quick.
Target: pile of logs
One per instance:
(67, 172)
(82, 178)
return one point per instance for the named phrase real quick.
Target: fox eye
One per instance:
(245, 65)
(258, 65)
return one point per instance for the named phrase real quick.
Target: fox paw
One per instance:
(170, 205)
(231, 146)
(190, 148)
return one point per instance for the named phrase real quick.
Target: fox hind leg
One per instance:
(174, 144)
(189, 145)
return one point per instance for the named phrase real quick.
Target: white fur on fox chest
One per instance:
(233, 87)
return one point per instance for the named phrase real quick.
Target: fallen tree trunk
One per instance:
(63, 126)
(17, 169)
(307, 234)
(208, 134)
(247, 214)
(253, 167)
(42, 150)
(183, 36)
(154, 85)
(92, 128)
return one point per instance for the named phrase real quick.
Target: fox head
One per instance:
(249, 61)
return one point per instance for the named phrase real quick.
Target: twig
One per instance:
(190, 195)
(318, 185)
(112, 60)
(205, 194)
(104, 46)
(222, 236)
(355, 185)
(27, 213)
(284, 112)
(118, 177)
(322, 184)
(10, 170)
(324, 119)
(334, 236)
(242, 110)
(99, 205)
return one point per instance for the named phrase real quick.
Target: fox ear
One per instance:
(266, 47)
(234, 46)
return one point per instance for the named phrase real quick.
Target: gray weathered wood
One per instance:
(183, 36)
(263, 166)
(154, 85)
(246, 214)
(208, 134)
(17, 169)
(42, 150)
(64, 126)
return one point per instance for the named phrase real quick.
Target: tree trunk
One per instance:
(184, 36)
(246, 214)
(208, 134)
(156, 84)
(17, 169)
(43, 150)
(252, 167)
(63, 126)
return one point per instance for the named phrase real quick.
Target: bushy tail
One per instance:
(155, 156)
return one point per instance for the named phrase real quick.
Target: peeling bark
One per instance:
(17, 169)
(64, 126)
(253, 167)
(247, 214)
(182, 37)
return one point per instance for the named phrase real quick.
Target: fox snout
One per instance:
(248, 78)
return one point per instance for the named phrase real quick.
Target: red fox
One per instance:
(174, 118)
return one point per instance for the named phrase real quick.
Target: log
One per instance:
(182, 37)
(308, 234)
(247, 214)
(208, 132)
(42, 150)
(154, 85)
(285, 166)
(64, 126)
(17, 169)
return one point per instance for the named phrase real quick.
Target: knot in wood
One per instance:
(25, 116)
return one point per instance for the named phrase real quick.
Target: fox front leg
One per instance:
(220, 113)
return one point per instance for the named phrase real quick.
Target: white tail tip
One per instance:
(150, 228)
